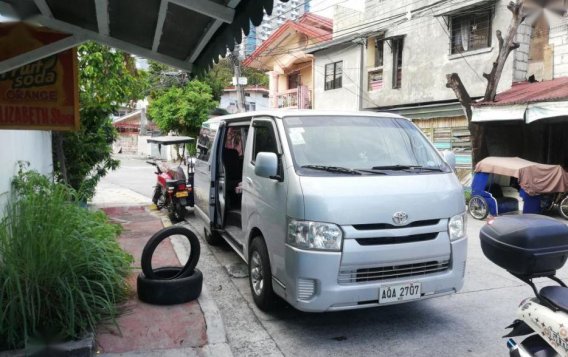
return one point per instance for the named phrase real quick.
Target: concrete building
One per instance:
(289, 67)
(256, 98)
(395, 55)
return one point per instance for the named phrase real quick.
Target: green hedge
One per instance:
(62, 271)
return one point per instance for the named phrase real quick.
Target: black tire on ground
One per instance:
(563, 207)
(260, 275)
(212, 238)
(176, 212)
(157, 238)
(169, 291)
(477, 207)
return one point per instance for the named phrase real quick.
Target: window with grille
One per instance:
(397, 45)
(333, 75)
(471, 32)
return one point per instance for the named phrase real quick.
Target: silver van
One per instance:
(332, 211)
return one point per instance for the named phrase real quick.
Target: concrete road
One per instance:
(133, 173)
(469, 323)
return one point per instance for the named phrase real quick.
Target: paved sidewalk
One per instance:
(191, 329)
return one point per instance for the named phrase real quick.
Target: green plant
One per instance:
(467, 195)
(108, 78)
(182, 109)
(62, 271)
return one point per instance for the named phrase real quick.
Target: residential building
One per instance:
(281, 12)
(256, 98)
(289, 67)
(397, 58)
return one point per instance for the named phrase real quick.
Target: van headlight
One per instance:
(456, 227)
(314, 235)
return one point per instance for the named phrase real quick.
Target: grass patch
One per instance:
(62, 271)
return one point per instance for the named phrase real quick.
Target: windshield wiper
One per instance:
(406, 167)
(338, 169)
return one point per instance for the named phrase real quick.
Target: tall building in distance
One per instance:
(282, 11)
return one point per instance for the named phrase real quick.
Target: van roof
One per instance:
(282, 113)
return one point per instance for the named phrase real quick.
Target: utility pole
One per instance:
(234, 56)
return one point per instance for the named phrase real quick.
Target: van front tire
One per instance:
(260, 275)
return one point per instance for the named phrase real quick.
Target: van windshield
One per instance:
(365, 144)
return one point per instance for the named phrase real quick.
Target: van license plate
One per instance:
(399, 292)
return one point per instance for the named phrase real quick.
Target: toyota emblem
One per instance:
(400, 218)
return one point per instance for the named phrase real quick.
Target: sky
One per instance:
(325, 7)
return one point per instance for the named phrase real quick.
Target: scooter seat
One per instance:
(557, 296)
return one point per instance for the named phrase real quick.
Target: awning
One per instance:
(186, 34)
(537, 111)
(499, 113)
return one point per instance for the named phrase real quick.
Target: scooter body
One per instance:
(531, 247)
(551, 325)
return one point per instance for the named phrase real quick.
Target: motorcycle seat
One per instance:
(557, 296)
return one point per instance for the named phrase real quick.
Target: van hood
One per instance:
(348, 200)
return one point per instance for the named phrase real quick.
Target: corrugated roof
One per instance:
(526, 92)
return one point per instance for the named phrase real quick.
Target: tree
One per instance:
(506, 46)
(221, 75)
(108, 78)
(182, 109)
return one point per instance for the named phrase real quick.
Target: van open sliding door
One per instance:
(218, 181)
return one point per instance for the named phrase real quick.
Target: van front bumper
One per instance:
(312, 281)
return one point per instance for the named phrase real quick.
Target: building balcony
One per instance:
(297, 98)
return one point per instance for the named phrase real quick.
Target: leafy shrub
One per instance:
(61, 269)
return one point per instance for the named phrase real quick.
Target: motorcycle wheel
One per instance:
(563, 207)
(159, 198)
(176, 212)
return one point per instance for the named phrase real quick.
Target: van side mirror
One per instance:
(449, 158)
(266, 165)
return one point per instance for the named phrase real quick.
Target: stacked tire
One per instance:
(170, 285)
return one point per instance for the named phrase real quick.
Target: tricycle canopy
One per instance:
(534, 178)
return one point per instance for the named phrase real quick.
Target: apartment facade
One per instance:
(289, 67)
(397, 56)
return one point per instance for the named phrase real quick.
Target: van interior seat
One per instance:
(233, 165)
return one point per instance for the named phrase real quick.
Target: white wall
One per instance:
(256, 97)
(345, 98)
(559, 39)
(25, 145)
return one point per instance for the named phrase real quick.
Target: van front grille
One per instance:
(377, 226)
(397, 240)
(392, 272)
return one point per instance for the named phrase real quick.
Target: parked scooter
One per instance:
(533, 246)
(174, 190)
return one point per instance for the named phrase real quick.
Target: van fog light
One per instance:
(306, 289)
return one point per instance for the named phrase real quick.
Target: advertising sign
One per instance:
(41, 95)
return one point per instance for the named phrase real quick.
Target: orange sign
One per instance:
(41, 95)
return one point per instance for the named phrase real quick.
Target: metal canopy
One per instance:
(186, 34)
(170, 140)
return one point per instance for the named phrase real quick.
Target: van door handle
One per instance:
(249, 180)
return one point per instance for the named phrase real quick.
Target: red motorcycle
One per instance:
(174, 189)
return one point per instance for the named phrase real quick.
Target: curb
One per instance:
(217, 344)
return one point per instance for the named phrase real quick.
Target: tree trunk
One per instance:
(60, 155)
(506, 45)
(477, 132)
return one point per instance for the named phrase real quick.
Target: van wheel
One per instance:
(212, 238)
(478, 207)
(260, 276)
